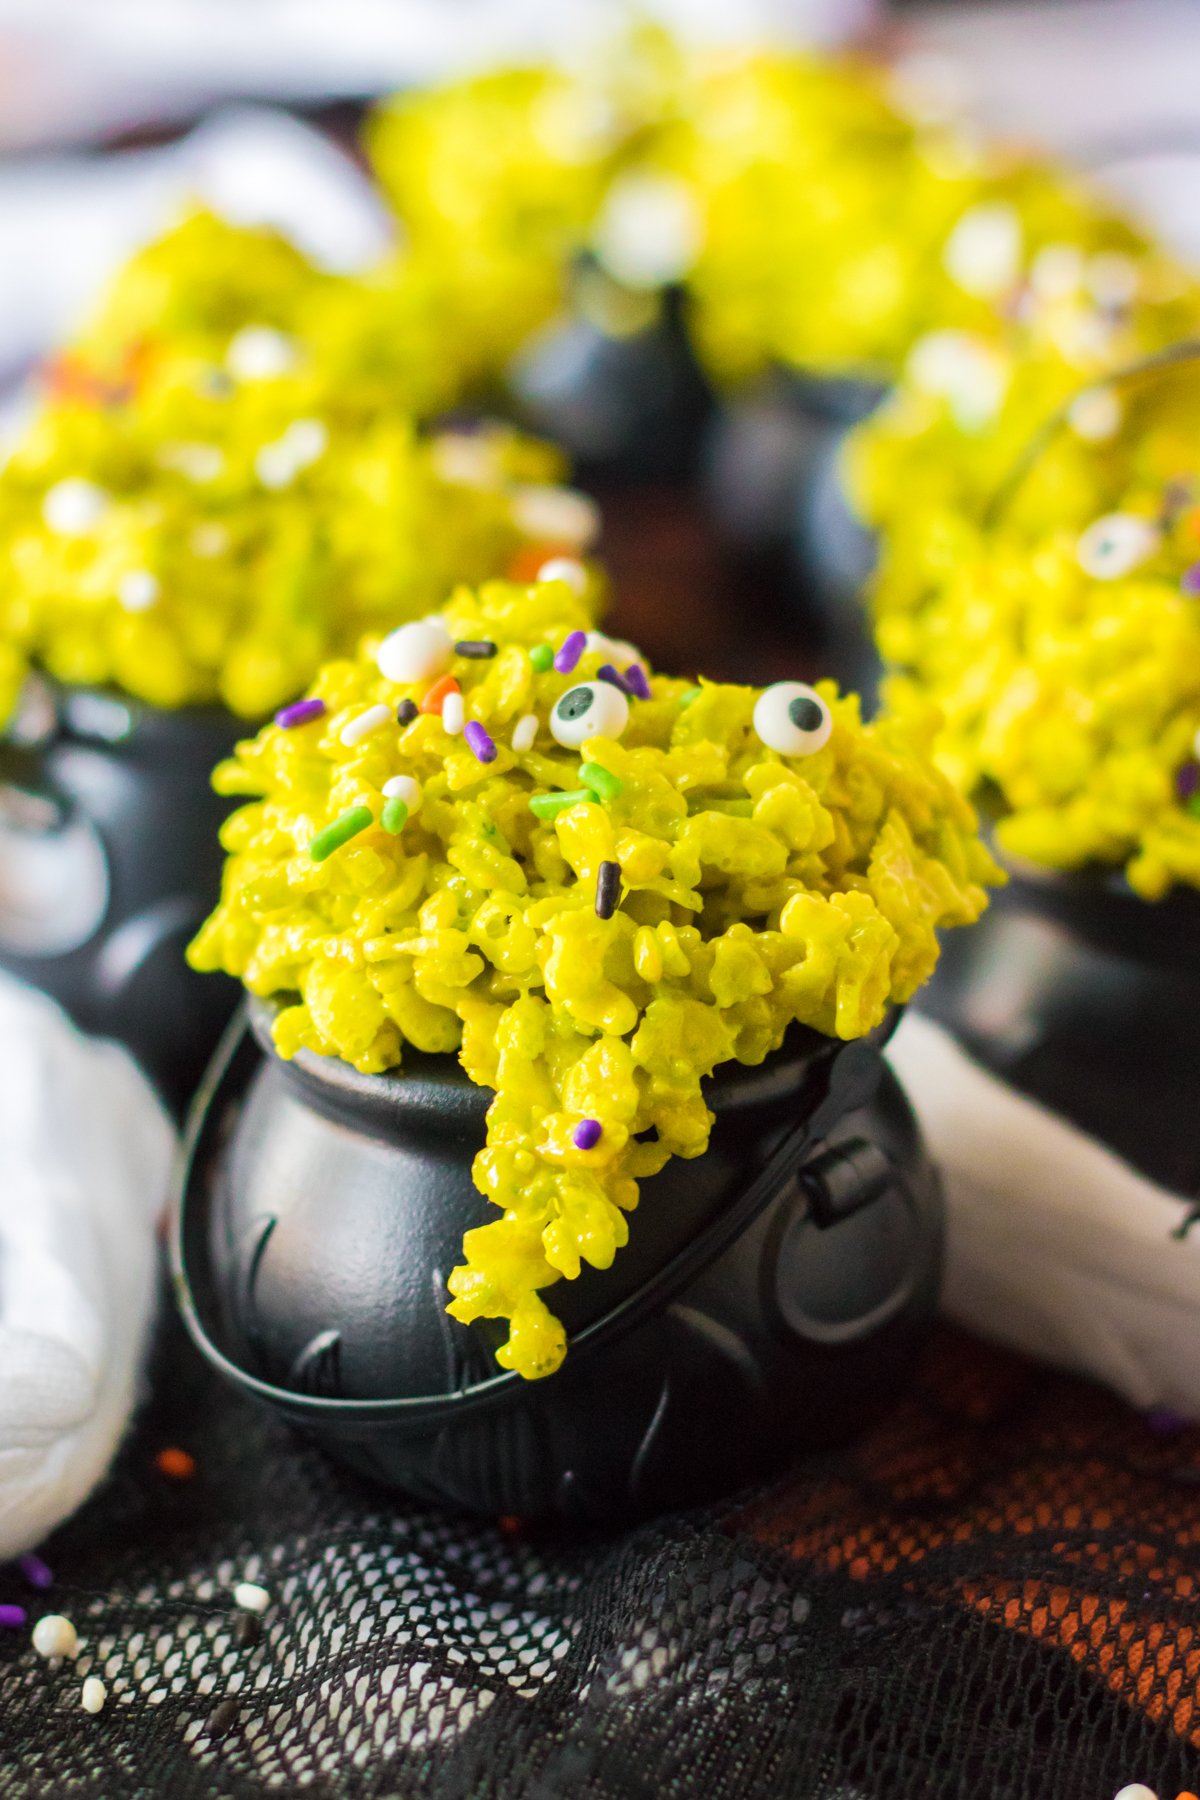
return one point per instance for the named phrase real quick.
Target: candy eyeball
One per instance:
(417, 652)
(1115, 545)
(590, 709)
(792, 718)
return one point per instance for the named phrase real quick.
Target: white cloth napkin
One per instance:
(1055, 1245)
(85, 1152)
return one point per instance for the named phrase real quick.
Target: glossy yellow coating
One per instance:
(474, 929)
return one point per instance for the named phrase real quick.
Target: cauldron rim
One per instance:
(191, 1271)
(203, 731)
(433, 1089)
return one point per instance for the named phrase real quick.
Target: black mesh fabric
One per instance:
(992, 1595)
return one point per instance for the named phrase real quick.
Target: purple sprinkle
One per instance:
(571, 650)
(635, 680)
(12, 1617)
(36, 1572)
(1187, 780)
(479, 741)
(302, 712)
(587, 1134)
(614, 678)
(1191, 579)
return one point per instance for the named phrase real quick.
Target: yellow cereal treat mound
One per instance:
(1065, 659)
(496, 832)
(205, 510)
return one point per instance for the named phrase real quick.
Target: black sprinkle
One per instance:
(608, 889)
(247, 1630)
(614, 678)
(481, 647)
(222, 1718)
(406, 712)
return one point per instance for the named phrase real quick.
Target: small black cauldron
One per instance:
(766, 1303)
(109, 861)
(1087, 998)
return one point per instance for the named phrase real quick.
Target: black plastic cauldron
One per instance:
(1087, 998)
(767, 1302)
(109, 861)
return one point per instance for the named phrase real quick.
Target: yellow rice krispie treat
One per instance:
(498, 833)
(204, 507)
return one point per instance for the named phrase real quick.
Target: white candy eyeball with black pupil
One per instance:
(792, 718)
(1115, 545)
(590, 709)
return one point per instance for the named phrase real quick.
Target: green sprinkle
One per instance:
(332, 837)
(394, 816)
(1194, 805)
(603, 783)
(690, 694)
(546, 805)
(541, 656)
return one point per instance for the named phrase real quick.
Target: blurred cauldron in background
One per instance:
(109, 861)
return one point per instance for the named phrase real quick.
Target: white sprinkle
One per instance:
(307, 440)
(250, 1597)
(615, 650)
(1096, 415)
(55, 1636)
(1137, 1790)
(565, 568)
(94, 1695)
(1112, 278)
(963, 370)
(275, 466)
(983, 252)
(74, 507)
(465, 459)
(1115, 544)
(364, 725)
(556, 513)
(418, 652)
(260, 353)
(928, 87)
(453, 714)
(210, 540)
(138, 590)
(1056, 272)
(403, 787)
(649, 231)
(199, 462)
(525, 732)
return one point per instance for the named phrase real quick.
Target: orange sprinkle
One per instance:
(176, 1464)
(432, 703)
(530, 557)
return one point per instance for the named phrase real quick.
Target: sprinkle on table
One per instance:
(587, 1134)
(435, 697)
(55, 1636)
(480, 741)
(247, 1630)
(407, 711)
(525, 732)
(332, 836)
(37, 1573)
(94, 1695)
(251, 1597)
(176, 1464)
(602, 782)
(301, 712)
(366, 722)
(608, 889)
(542, 658)
(394, 816)
(570, 651)
(223, 1717)
(480, 648)
(544, 806)
(12, 1618)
